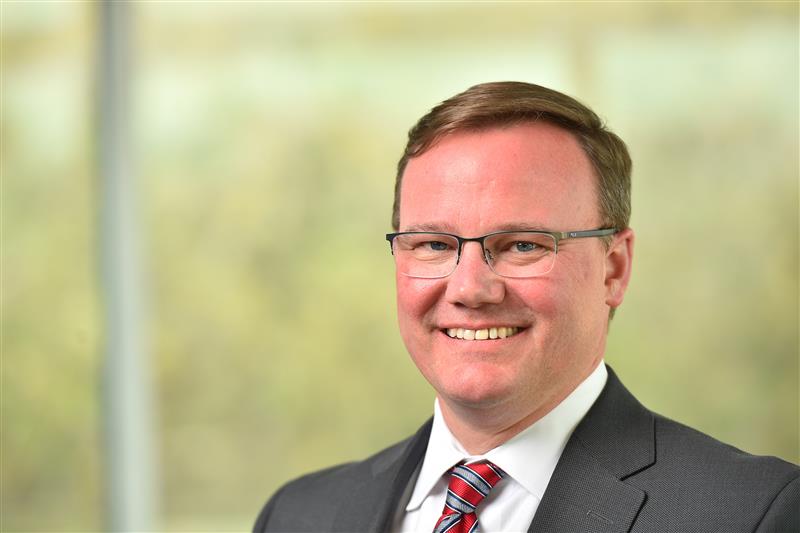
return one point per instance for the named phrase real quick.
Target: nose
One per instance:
(473, 283)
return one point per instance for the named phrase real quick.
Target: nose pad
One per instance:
(487, 257)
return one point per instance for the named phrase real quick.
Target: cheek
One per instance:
(416, 299)
(571, 310)
(539, 297)
(582, 280)
(557, 306)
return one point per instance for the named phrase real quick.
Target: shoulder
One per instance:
(313, 501)
(678, 443)
(632, 440)
(714, 482)
(686, 450)
(689, 480)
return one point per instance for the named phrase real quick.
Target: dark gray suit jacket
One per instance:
(624, 469)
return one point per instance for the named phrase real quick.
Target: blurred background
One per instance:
(259, 142)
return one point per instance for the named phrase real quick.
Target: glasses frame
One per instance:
(557, 236)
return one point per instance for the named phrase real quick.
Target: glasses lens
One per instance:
(522, 254)
(425, 255)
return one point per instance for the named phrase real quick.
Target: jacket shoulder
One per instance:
(312, 501)
(681, 444)
(689, 481)
(718, 487)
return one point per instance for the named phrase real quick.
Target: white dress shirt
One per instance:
(529, 459)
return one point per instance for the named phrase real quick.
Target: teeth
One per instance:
(482, 334)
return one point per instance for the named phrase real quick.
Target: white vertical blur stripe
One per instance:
(126, 391)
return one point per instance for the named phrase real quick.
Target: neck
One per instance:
(483, 428)
(480, 432)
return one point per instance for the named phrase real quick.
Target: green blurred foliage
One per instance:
(266, 140)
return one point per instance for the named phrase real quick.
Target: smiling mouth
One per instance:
(482, 334)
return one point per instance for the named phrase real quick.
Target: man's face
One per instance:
(532, 176)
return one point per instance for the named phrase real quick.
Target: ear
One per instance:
(619, 259)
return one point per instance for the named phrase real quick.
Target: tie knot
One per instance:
(475, 479)
(469, 485)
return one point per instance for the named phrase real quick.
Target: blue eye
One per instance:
(524, 246)
(437, 246)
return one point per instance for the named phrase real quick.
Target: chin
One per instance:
(479, 393)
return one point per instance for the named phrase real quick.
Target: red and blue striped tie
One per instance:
(469, 485)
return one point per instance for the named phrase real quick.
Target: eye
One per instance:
(524, 246)
(437, 246)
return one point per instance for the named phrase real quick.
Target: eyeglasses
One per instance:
(511, 254)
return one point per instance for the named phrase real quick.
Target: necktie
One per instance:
(469, 485)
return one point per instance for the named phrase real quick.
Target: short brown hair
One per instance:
(508, 103)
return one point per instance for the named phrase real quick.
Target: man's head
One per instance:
(512, 157)
(506, 103)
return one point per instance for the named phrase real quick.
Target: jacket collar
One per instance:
(587, 491)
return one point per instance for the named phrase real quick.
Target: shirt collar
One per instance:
(530, 457)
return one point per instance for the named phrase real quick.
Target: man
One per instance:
(512, 251)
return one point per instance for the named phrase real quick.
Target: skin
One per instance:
(531, 176)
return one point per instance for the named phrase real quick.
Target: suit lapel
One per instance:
(587, 491)
(372, 504)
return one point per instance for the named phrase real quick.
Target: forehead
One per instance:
(532, 174)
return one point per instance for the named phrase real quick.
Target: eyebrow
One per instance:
(443, 227)
(446, 227)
